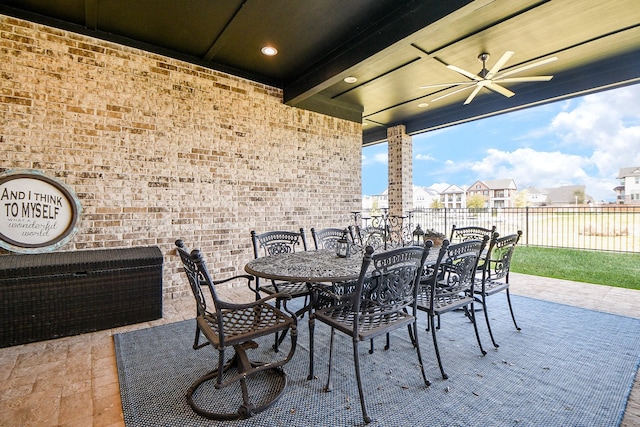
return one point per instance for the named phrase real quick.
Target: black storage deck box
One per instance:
(44, 296)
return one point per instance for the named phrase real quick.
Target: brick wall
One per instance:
(158, 149)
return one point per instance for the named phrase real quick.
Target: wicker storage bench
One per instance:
(58, 294)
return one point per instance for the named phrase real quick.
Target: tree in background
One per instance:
(476, 201)
(521, 199)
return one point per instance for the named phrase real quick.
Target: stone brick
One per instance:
(158, 149)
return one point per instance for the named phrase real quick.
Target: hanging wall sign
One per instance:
(37, 213)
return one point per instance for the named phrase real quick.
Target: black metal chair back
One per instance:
(326, 238)
(278, 242)
(236, 326)
(461, 234)
(498, 259)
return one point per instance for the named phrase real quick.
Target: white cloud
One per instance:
(375, 159)
(427, 157)
(440, 186)
(381, 158)
(598, 135)
(608, 125)
(531, 168)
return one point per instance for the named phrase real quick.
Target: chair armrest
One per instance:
(247, 277)
(228, 279)
(280, 295)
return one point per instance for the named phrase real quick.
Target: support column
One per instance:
(400, 171)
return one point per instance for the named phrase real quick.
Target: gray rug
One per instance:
(567, 367)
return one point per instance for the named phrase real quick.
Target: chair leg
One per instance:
(388, 345)
(413, 331)
(278, 339)
(371, 347)
(196, 341)
(486, 318)
(327, 387)
(471, 313)
(432, 326)
(356, 360)
(312, 327)
(511, 310)
(413, 334)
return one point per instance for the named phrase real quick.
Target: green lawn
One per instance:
(604, 268)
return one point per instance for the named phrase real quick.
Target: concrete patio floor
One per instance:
(73, 381)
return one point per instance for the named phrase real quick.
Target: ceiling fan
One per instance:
(490, 79)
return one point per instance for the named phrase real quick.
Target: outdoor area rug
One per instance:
(567, 367)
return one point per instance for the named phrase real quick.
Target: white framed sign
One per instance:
(37, 213)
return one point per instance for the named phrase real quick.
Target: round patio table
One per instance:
(308, 266)
(313, 266)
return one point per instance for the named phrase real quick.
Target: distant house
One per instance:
(423, 198)
(535, 196)
(565, 195)
(628, 192)
(499, 193)
(453, 197)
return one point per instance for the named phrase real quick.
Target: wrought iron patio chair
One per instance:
(273, 243)
(495, 274)
(236, 326)
(461, 234)
(326, 238)
(451, 286)
(379, 305)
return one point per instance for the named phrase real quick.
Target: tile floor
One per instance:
(73, 381)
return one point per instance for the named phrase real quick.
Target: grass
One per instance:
(604, 268)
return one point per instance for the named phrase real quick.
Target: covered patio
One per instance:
(161, 139)
(74, 380)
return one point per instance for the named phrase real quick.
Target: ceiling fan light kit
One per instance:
(491, 79)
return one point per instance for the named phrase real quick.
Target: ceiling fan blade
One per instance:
(445, 84)
(526, 67)
(473, 94)
(464, 72)
(524, 79)
(496, 67)
(469, 86)
(500, 89)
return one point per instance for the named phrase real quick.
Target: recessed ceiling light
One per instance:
(350, 79)
(423, 105)
(269, 51)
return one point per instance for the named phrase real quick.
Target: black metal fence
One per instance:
(604, 228)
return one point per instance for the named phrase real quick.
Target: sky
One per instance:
(581, 141)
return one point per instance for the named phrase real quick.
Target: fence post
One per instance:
(446, 233)
(526, 225)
